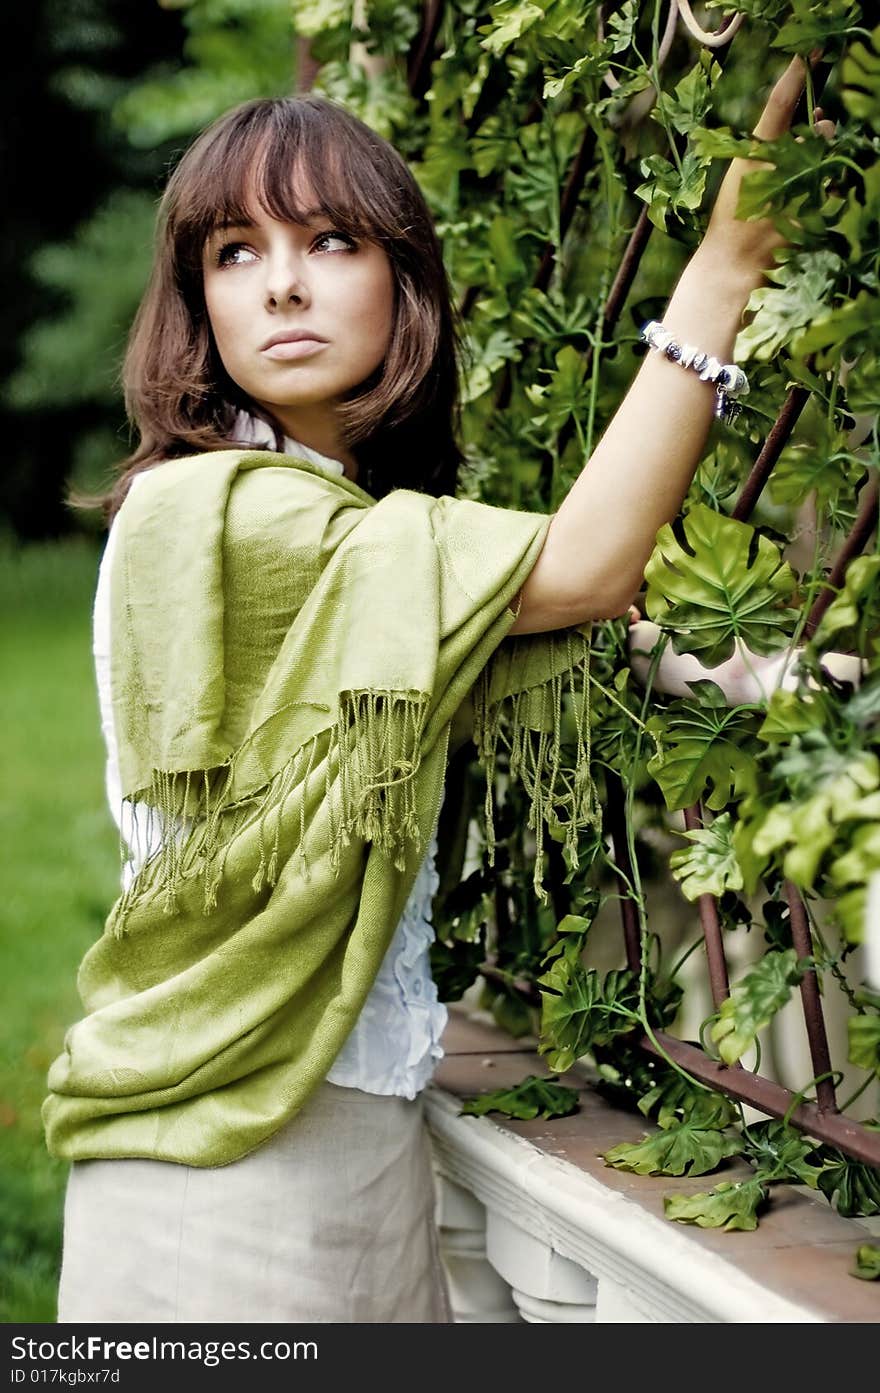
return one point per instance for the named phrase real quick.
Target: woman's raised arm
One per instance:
(602, 535)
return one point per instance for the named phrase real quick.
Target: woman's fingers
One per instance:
(826, 128)
(777, 116)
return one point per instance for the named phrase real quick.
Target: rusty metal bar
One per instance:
(617, 826)
(525, 989)
(617, 296)
(567, 204)
(307, 66)
(626, 271)
(866, 521)
(772, 448)
(711, 925)
(812, 1002)
(771, 1098)
(419, 64)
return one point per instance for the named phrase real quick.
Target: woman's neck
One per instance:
(318, 432)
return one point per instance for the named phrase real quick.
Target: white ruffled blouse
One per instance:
(395, 1044)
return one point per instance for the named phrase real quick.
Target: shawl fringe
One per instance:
(194, 820)
(535, 754)
(376, 740)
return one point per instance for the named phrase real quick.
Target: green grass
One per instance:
(58, 878)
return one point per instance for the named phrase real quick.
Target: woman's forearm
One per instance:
(603, 533)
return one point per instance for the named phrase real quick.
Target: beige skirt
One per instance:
(332, 1219)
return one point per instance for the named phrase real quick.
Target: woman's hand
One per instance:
(749, 245)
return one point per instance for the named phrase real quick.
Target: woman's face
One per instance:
(266, 283)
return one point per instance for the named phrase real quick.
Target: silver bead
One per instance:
(711, 370)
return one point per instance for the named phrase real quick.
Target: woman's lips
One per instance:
(293, 348)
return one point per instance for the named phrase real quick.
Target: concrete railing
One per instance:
(535, 1227)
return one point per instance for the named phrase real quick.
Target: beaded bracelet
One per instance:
(729, 381)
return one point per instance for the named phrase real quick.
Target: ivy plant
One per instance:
(569, 161)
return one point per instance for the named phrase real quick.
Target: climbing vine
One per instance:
(569, 151)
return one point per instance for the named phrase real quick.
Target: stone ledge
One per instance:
(547, 1179)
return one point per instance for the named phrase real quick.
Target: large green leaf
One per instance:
(704, 754)
(709, 866)
(713, 580)
(580, 1010)
(754, 1002)
(730, 1205)
(694, 1146)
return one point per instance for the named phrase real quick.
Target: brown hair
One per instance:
(402, 422)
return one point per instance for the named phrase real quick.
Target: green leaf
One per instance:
(676, 1098)
(683, 1148)
(860, 71)
(579, 1011)
(754, 1002)
(778, 1152)
(670, 190)
(589, 66)
(486, 359)
(512, 18)
(533, 1097)
(799, 293)
(455, 967)
(832, 787)
(622, 25)
(709, 867)
(815, 23)
(96, 281)
(713, 580)
(730, 1205)
(848, 329)
(704, 754)
(864, 1042)
(867, 1262)
(692, 102)
(790, 714)
(854, 1185)
(572, 932)
(564, 395)
(856, 606)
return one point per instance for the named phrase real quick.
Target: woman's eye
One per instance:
(343, 237)
(229, 255)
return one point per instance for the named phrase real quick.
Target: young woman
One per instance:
(296, 621)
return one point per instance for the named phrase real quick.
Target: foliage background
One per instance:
(537, 167)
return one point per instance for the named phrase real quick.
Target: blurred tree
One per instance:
(121, 90)
(61, 156)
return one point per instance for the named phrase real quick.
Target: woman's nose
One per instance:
(285, 284)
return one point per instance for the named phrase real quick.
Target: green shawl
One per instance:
(291, 660)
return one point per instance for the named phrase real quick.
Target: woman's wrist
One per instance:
(706, 307)
(725, 274)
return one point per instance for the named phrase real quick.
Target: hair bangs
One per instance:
(289, 162)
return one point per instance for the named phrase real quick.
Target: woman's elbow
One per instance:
(539, 612)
